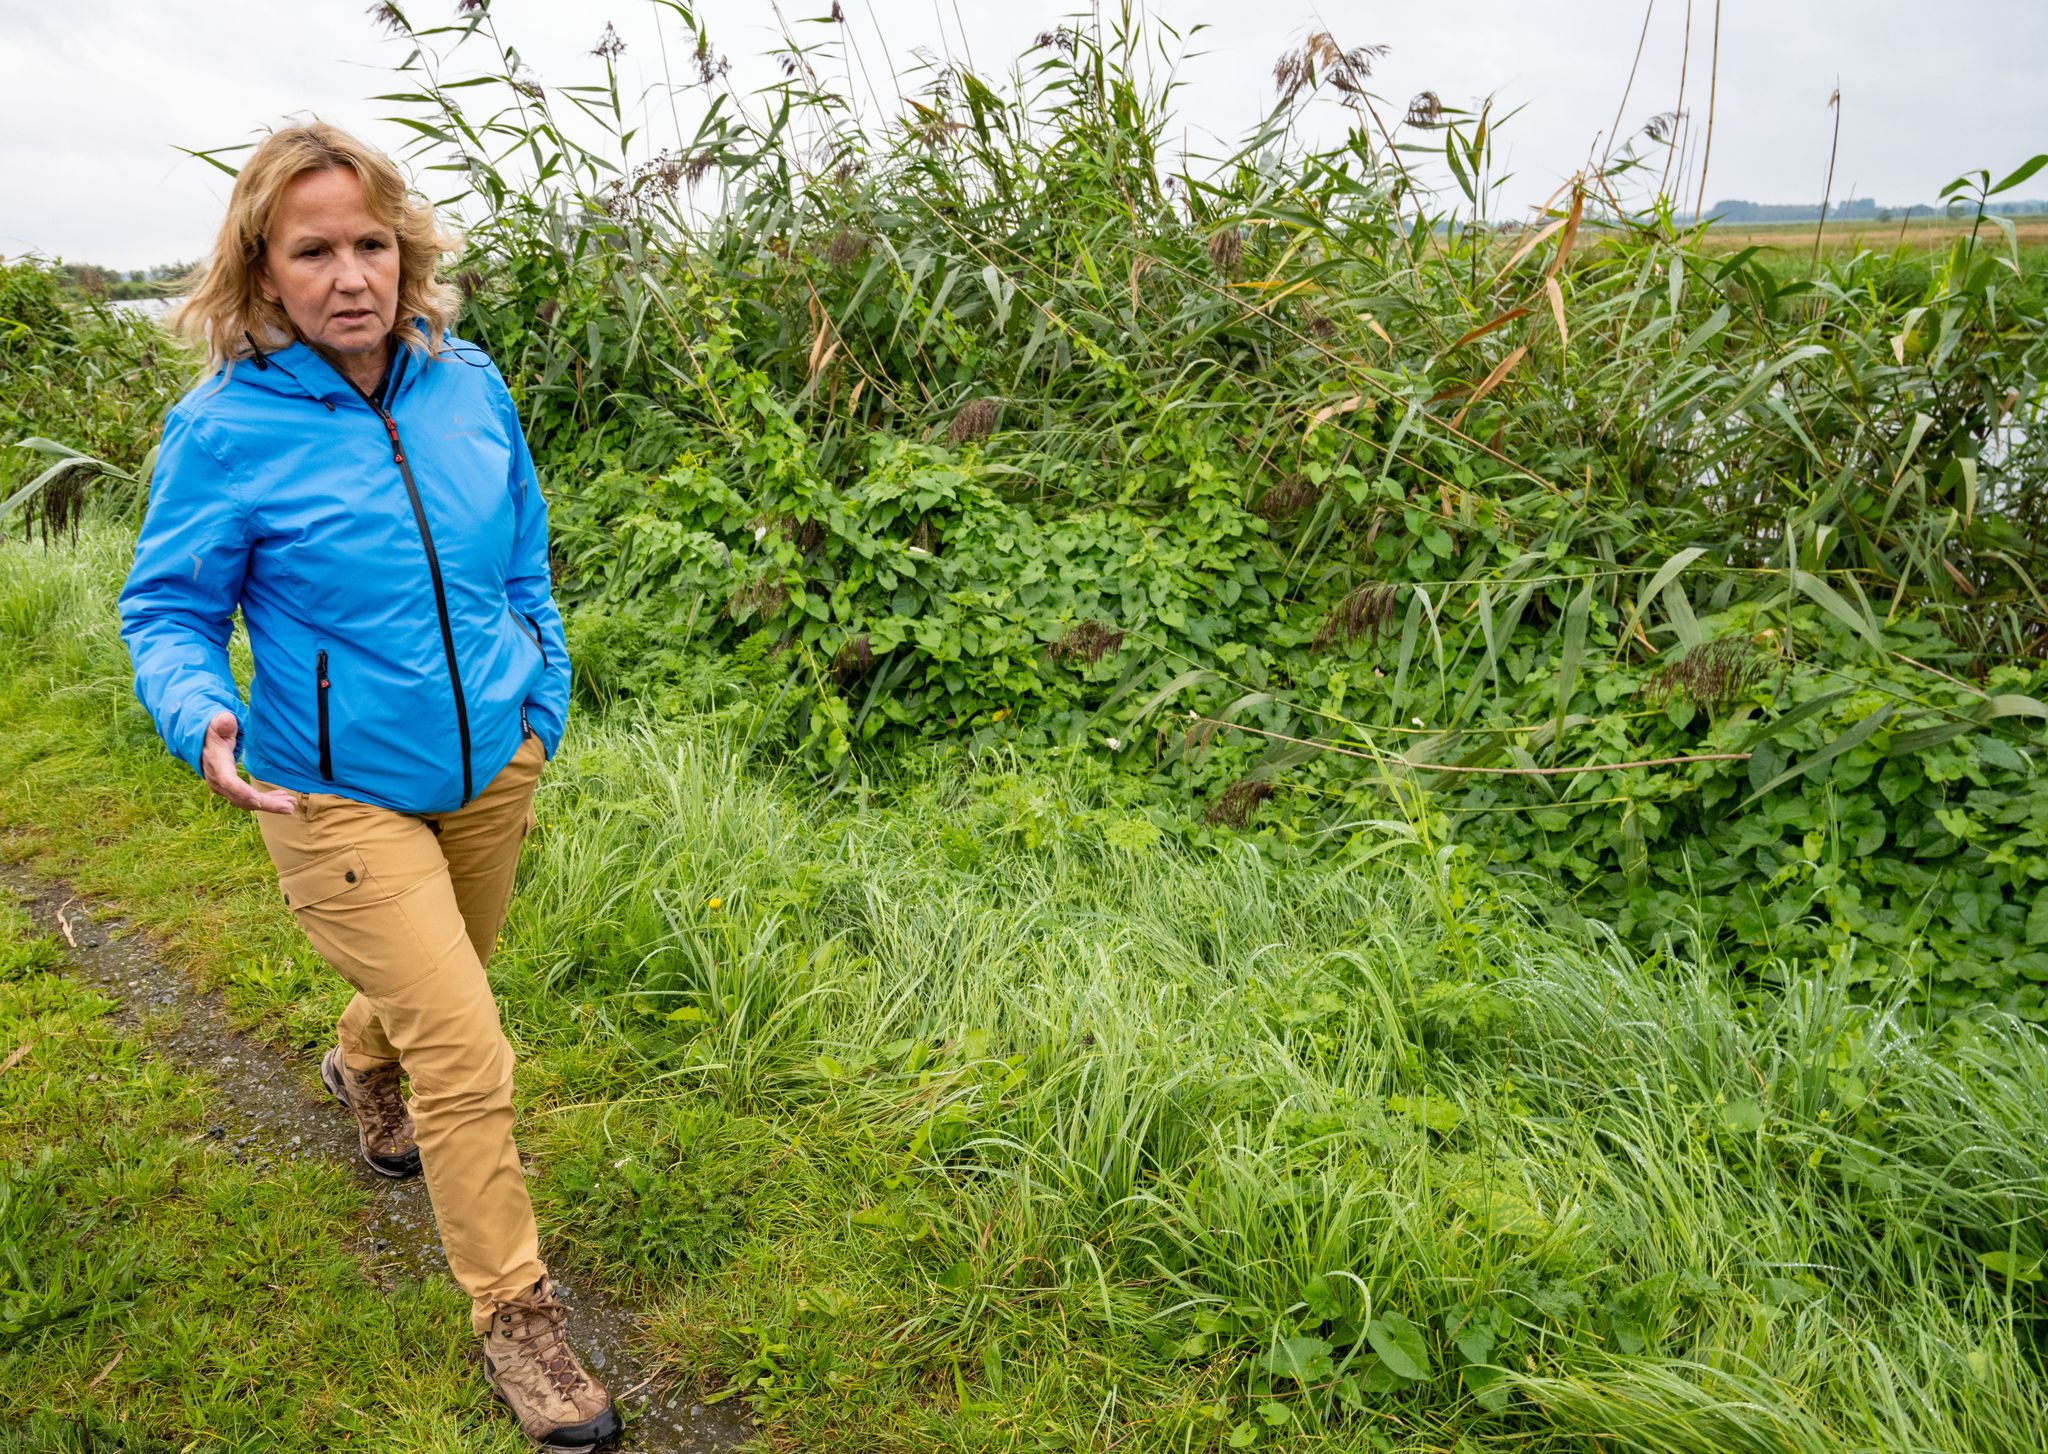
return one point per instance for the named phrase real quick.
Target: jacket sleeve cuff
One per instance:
(195, 716)
(545, 726)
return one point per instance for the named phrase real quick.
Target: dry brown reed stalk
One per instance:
(1226, 248)
(711, 66)
(848, 245)
(1239, 801)
(1346, 70)
(1614, 131)
(802, 532)
(976, 420)
(61, 505)
(1711, 676)
(1827, 191)
(1086, 642)
(1713, 92)
(1366, 612)
(1287, 499)
(764, 599)
(854, 658)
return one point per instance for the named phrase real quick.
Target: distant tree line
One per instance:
(1857, 209)
(165, 280)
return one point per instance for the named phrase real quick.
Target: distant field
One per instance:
(1838, 238)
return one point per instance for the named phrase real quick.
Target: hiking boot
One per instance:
(527, 1359)
(383, 1124)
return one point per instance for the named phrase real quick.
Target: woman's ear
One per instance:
(263, 283)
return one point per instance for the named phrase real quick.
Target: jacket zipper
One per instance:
(326, 752)
(539, 644)
(419, 515)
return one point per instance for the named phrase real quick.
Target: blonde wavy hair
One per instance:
(226, 309)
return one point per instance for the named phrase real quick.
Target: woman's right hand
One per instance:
(218, 758)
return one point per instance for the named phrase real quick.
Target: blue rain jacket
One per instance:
(389, 556)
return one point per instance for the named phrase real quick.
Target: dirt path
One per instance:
(269, 1109)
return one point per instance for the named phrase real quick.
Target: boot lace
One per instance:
(539, 1322)
(381, 1104)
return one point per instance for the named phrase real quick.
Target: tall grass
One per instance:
(1000, 1108)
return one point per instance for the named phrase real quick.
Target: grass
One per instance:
(988, 1118)
(157, 1295)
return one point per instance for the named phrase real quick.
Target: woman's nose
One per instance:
(352, 276)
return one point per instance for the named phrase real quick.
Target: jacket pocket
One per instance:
(320, 710)
(532, 629)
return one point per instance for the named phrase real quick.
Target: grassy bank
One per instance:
(154, 1289)
(995, 1118)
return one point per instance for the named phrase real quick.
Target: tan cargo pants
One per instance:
(407, 909)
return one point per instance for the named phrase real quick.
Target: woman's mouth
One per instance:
(352, 315)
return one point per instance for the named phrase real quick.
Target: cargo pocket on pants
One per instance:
(313, 884)
(358, 928)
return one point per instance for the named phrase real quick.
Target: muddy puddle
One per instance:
(267, 1109)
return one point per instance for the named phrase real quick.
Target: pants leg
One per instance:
(481, 845)
(380, 900)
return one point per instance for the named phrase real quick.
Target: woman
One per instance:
(354, 478)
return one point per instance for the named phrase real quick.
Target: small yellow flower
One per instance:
(714, 903)
(1001, 712)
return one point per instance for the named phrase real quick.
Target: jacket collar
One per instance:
(304, 366)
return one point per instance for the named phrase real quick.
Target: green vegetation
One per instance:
(83, 390)
(1000, 1118)
(1031, 943)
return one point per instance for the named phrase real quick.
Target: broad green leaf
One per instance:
(1488, 1387)
(1575, 616)
(1800, 713)
(1400, 1345)
(2013, 704)
(1303, 1359)
(1829, 600)
(1195, 676)
(2011, 1266)
(2023, 172)
(1744, 1117)
(1828, 753)
(1666, 574)
(1905, 744)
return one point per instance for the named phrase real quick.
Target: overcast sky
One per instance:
(96, 95)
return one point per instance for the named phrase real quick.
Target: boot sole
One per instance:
(331, 1078)
(605, 1426)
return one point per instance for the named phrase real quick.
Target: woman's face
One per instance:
(330, 264)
